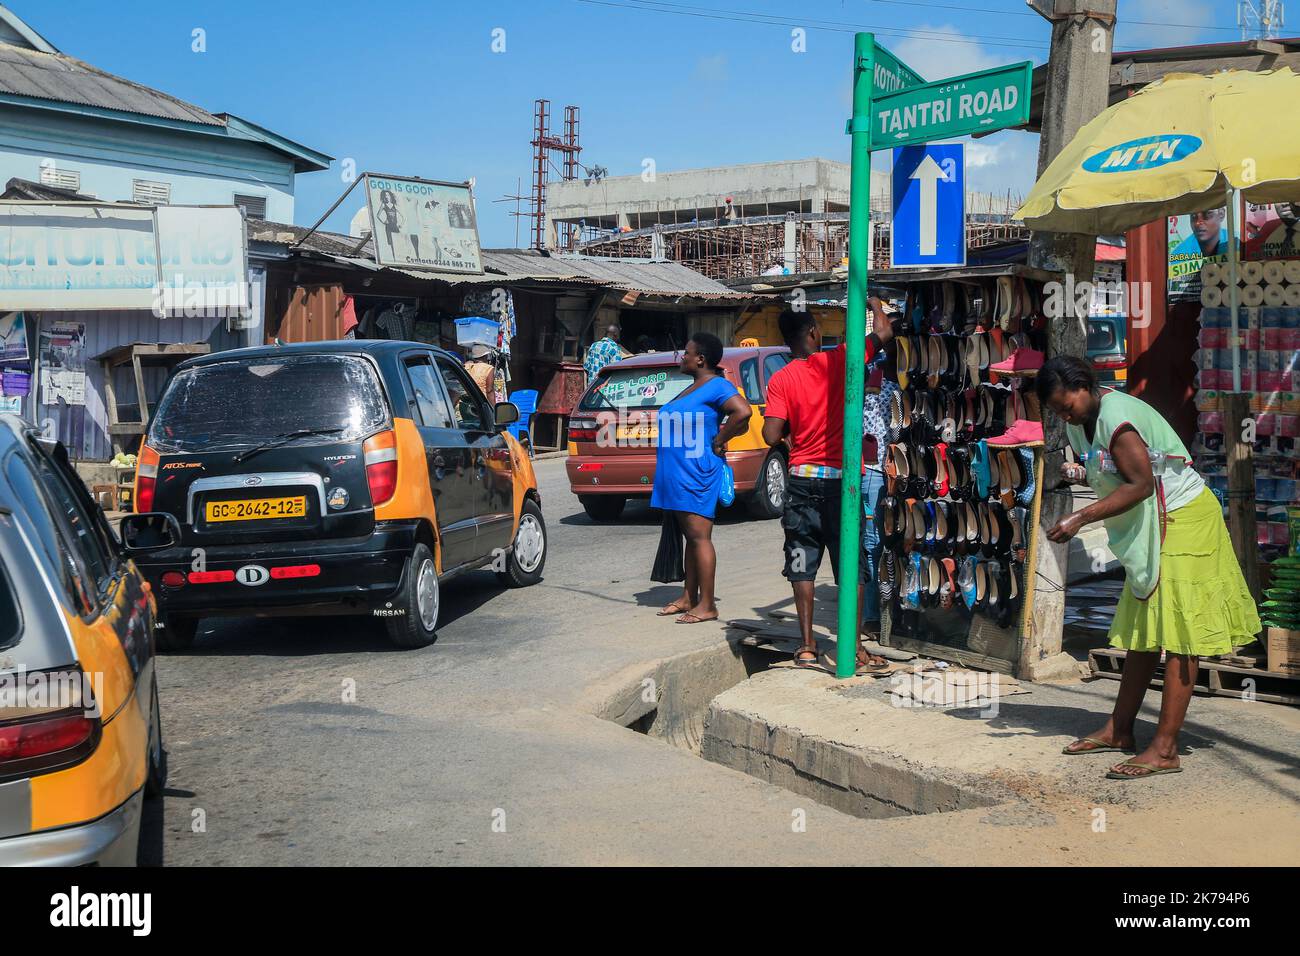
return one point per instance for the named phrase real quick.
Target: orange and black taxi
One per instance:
(613, 431)
(348, 477)
(80, 732)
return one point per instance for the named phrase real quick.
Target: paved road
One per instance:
(270, 765)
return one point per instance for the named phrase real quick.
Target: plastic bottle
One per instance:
(1102, 460)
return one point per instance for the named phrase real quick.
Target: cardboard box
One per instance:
(1284, 651)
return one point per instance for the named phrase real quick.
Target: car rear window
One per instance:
(635, 388)
(1101, 337)
(10, 620)
(244, 402)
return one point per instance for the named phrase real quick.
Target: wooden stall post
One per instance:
(1241, 486)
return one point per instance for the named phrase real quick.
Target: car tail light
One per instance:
(146, 476)
(173, 579)
(582, 429)
(211, 577)
(380, 453)
(1110, 362)
(61, 728)
(296, 571)
(591, 466)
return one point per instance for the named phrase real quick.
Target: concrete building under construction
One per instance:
(733, 222)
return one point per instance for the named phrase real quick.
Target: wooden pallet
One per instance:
(1212, 677)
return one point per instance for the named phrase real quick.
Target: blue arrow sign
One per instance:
(929, 206)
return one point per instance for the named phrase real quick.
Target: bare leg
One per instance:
(701, 564)
(1180, 679)
(1118, 730)
(803, 606)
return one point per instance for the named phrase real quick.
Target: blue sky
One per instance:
(408, 87)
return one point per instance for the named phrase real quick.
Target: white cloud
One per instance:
(1194, 13)
(710, 69)
(935, 57)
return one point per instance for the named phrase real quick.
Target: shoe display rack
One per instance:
(959, 512)
(1268, 352)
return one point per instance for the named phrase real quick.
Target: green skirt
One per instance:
(1201, 606)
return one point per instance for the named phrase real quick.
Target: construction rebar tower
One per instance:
(544, 144)
(1260, 19)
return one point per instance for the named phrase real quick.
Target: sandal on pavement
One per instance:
(806, 662)
(1100, 748)
(689, 618)
(669, 610)
(1146, 768)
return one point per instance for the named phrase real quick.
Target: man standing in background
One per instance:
(603, 352)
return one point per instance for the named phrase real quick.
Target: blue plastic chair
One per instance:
(526, 401)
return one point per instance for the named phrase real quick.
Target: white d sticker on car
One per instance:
(252, 575)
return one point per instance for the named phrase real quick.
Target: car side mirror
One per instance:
(507, 414)
(149, 531)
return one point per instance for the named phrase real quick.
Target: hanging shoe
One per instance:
(1008, 477)
(1025, 495)
(980, 466)
(912, 583)
(948, 586)
(1023, 433)
(966, 581)
(1018, 540)
(1010, 589)
(1021, 361)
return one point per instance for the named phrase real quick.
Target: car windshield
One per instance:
(623, 388)
(1101, 337)
(246, 402)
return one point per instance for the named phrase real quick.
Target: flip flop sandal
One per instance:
(694, 619)
(805, 663)
(1101, 748)
(1147, 771)
(669, 613)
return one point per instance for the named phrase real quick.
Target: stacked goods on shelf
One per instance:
(956, 516)
(1268, 353)
(1281, 605)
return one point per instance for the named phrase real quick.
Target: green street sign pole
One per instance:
(855, 339)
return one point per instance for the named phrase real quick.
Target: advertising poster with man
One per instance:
(420, 224)
(1272, 231)
(1193, 241)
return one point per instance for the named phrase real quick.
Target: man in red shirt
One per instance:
(805, 402)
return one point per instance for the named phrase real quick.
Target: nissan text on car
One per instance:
(613, 430)
(80, 727)
(333, 478)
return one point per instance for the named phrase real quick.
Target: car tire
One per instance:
(156, 774)
(420, 599)
(527, 556)
(602, 507)
(767, 500)
(178, 633)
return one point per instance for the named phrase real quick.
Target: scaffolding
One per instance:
(544, 144)
(743, 248)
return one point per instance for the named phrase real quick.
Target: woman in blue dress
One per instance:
(694, 429)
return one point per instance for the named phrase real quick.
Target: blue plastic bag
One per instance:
(727, 492)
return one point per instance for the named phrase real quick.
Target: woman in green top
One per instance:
(1184, 592)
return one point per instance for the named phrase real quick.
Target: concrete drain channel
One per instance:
(676, 701)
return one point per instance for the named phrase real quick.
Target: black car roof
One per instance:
(374, 347)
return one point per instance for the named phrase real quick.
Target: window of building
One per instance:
(150, 193)
(254, 206)
(60, 178)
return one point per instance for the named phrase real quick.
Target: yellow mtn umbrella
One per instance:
(1174, 147)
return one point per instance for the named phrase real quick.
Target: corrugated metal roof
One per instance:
(65, 79)
(629, 275)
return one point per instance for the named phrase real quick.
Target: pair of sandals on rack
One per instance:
(917, 582)
(961, 472)
(1007, 303)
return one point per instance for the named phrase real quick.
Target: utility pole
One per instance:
(1078, 87)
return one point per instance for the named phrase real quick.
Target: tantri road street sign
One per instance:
(929, 199)
(892, 74)
(960, 105)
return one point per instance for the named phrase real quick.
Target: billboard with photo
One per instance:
(1271, 231)
(1193, 241)
(423, 224)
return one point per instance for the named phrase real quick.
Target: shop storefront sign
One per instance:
(169, 259)
(423, 224)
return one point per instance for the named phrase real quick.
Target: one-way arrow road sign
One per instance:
(929, 206)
